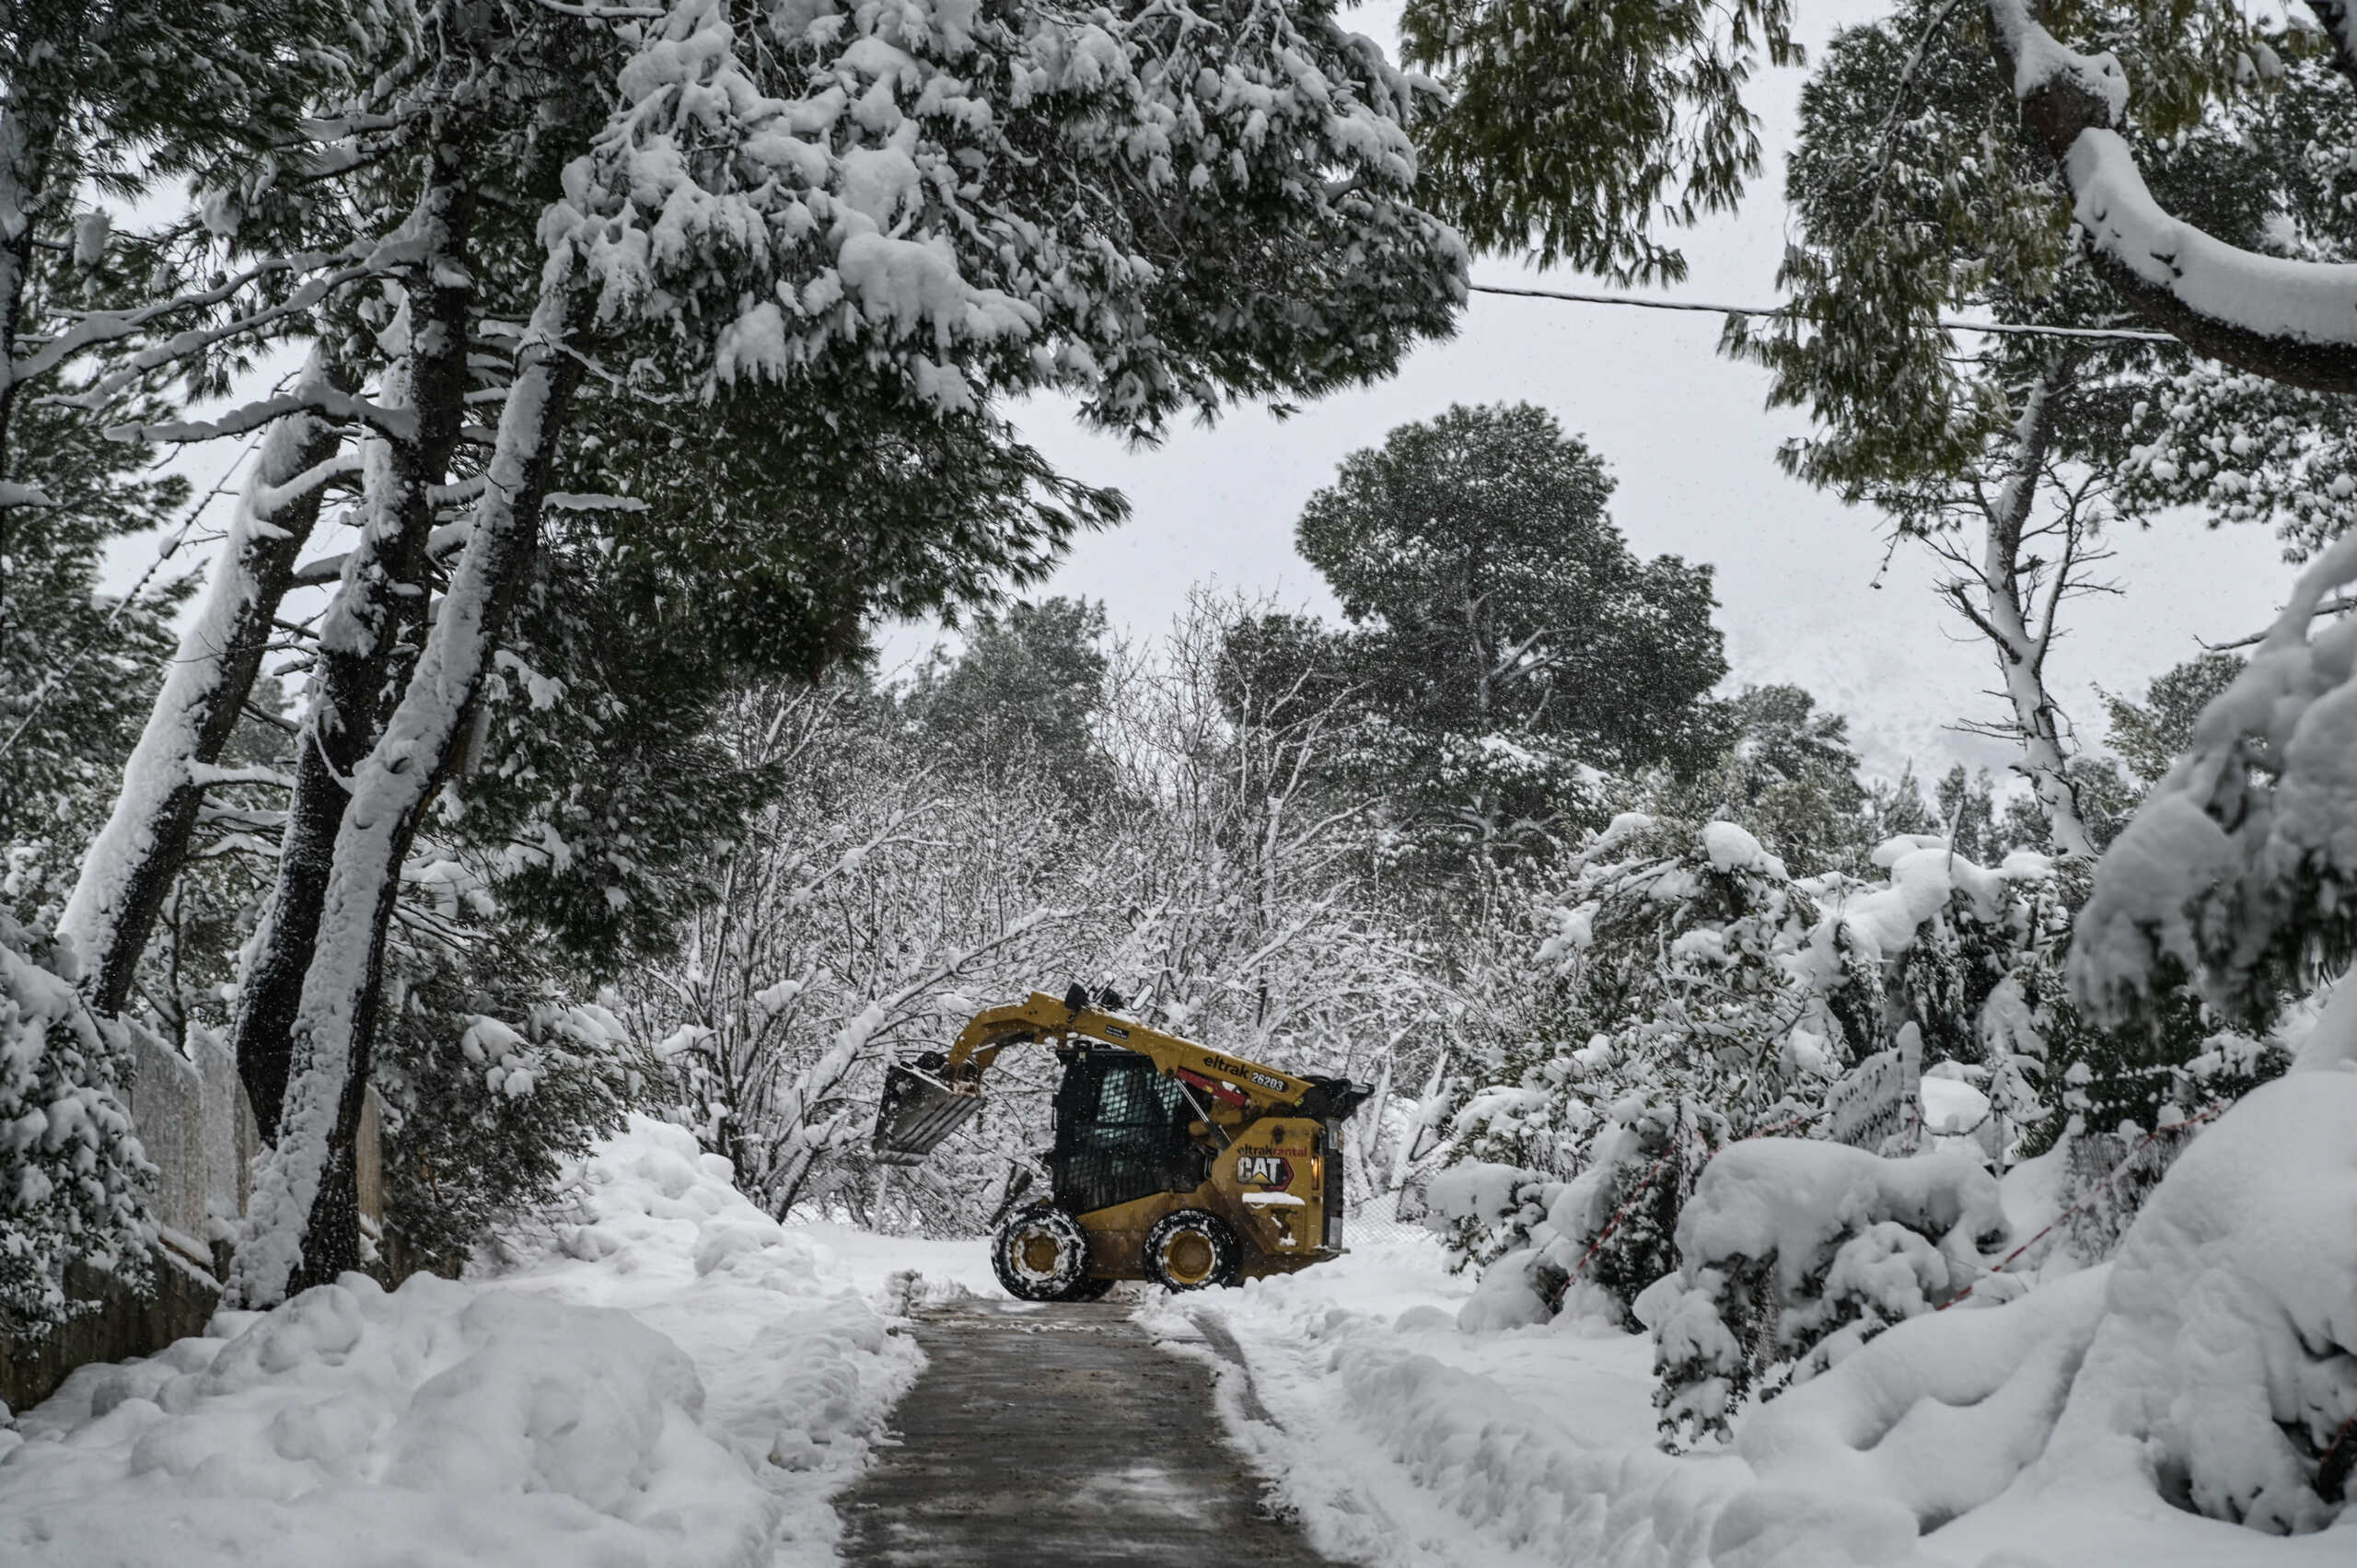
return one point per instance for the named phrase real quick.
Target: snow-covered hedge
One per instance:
(2212, 1363)
(1793, 1254)
(479, 1426)
(71, 1167)
(488, 1111)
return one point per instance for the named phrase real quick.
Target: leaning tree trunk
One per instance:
(2018, 631)
(133, 861)
(369, 635)
(2021, 652)
(305, 1217)
(27, 137)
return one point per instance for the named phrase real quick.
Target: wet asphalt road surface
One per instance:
(1053, 1436)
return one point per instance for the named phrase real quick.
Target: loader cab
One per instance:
(1121, 1132)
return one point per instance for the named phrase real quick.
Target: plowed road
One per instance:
(1041, 1437)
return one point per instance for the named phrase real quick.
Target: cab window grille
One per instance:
(1120, 1133)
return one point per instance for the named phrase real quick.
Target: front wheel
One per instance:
(1193, 1248)
(1041, 1254)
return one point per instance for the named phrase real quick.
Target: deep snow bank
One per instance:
(2056, 1430)
(664, 1377)
(1403, 1443)
(2231, 1328)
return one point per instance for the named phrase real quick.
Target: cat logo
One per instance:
(1265, 1171)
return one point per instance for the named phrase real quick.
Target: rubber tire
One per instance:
(1070, 1274)
(1091, 1290)
(1227, 1253)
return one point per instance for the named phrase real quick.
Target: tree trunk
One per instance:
(2007, 618)
(305, 1223)
(131, 864)
(26, 137)
(367, 638)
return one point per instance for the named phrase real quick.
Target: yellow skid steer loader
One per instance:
(1172, 1162)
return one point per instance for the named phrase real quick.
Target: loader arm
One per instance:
(1228, 1079)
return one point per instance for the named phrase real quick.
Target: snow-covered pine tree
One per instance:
(77, 668)
(1787, 776)
(106, 102)
(1498, 624)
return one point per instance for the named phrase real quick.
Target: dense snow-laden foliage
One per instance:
(494, 1083)
(1696, 994)
(1793, 1253)
(918, 210)
(978, 198)
(71, 1167)
(2208, 1363)
(2236, 866)
(2225, 1369)
(1589, 1245)
(925, 859)
(1940, 1413)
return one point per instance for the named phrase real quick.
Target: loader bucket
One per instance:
(918, 1112)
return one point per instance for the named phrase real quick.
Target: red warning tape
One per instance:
(2142, 1144)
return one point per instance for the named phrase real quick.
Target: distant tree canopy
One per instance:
(1505, 645)
(1789, 774)
(2150, 735)
(1024, 694)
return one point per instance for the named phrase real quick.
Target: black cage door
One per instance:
(1120, 1133)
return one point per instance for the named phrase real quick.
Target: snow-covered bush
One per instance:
(1794, 1253)
(2237, 868)
(1608, 1230)
(493, 1083)
(1684, 958)
(658, 1376)
(1483, 1210)
(71, 1167)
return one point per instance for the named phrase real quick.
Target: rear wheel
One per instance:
(1041, 1254)
(1193, 1248)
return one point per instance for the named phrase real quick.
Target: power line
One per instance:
(59, 674)
(2012, 328)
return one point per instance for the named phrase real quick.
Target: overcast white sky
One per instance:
(1693, 450)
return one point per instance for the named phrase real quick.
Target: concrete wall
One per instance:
(197, 1126)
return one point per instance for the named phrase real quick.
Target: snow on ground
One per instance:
(1403, 1443)
(875, 1265)
(665, 1377)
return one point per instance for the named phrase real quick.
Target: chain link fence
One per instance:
(1392, 1221)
